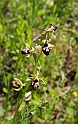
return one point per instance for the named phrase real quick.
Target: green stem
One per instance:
(37, 63)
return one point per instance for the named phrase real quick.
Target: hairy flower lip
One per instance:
(15, 84)
(35, 84)
(46, 53)
(35, 80)
(53, 27)
(45, 45)
(46, 49)
(25, 51)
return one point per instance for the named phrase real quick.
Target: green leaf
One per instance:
(5, 90)
(76, 76)
(1, 27)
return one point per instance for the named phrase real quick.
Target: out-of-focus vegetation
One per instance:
(21, 21)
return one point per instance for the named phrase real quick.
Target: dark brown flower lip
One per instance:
(15, 84)
(35, 84)
(25, 51)
(45, 45)
(46, 53)
(53, 27)
(46, 49)
(35, 80)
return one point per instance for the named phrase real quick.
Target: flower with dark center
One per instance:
(35, 83)
(46, 49)
(53, 27)
(17, 84)
(25, 51)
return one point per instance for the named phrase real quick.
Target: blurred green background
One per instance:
(20, 22)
